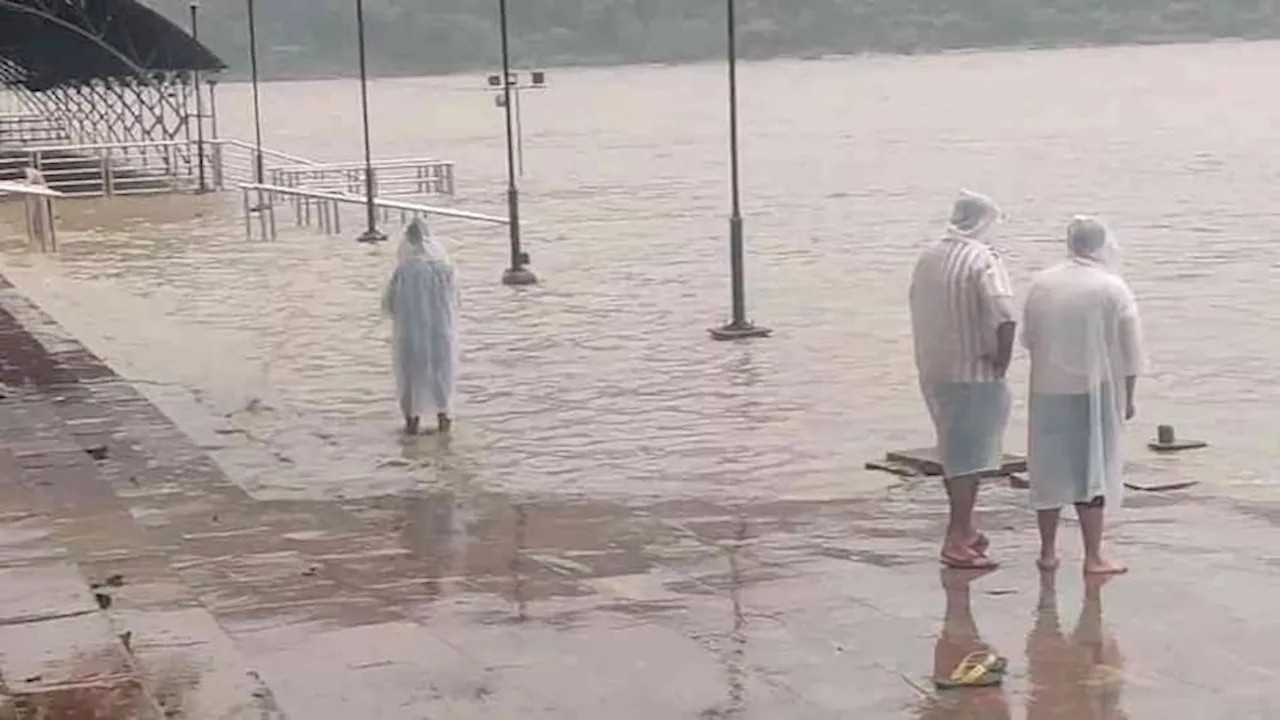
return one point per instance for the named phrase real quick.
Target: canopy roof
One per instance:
(46, 44)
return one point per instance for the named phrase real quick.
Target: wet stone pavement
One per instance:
(138, 581)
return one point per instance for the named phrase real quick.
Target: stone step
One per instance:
(321, 607)
(125, 606)
(60, 655)
(182, 657)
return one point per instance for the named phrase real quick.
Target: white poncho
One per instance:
(422, 300)
(1082, 329)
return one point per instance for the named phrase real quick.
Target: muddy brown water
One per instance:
(601, 381)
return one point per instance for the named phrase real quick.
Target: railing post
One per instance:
(108, 180)
(219, 180)
(52, 228)
(248, 214)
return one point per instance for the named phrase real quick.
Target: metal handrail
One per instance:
(277, 154)
(33, 149)
(39, 212)
(395, 164)
(87, 147)
(381, 203)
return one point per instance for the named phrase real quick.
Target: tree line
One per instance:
(308, 38)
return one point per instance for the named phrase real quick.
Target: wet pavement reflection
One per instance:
(631, 522)
(1079, 674)
(958, 640)
(140, 580)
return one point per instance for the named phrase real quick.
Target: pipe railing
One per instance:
(398, 177)
(107, 169)
(23, 128)
(317, 191)
(325, 208)
(41, 228)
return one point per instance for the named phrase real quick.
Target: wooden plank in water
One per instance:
(893, 468)
(1158, 486)
(925, 461)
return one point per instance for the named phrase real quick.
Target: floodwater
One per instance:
(601, 380)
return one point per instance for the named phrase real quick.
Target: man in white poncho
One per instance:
(422, 300)
(39, 220)
(962, 322)
(1082, 328)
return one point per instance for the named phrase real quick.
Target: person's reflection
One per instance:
(959, 638)
(432, 533)
(1078, 677)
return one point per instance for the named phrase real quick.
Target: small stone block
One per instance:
(1018, 482)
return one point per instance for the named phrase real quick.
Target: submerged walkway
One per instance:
(137, 581)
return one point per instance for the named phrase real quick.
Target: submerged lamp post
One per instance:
(517, 273)
(371, 233)
(257, 106)
(537, 81)
(739, 327)
(195, 82)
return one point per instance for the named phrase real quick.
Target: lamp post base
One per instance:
(739, 331)
(519, 276)
(372, 237)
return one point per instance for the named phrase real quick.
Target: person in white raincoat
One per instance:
(39, 219)
(963, 326)
(1083, 331)
(422, 300)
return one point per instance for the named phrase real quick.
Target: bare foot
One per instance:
(980, 543)
(1048, 562)
(1103, 566)
(411, 425)
(444, 423)
(966, 558)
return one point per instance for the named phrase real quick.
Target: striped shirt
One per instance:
(960, 294)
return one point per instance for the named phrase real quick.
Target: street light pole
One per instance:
(371, 233)
(195, 82)
(739, 327)
(257, 106)
(517, 273)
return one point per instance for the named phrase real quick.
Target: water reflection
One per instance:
(736, 657)
(1078, 676)
(959, 637)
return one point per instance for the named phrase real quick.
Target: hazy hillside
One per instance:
(317, 37)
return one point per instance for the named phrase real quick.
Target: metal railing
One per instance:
(130, 168)
(107, 169)
(400, 178)
(23, 128)
(231, 162)
(41, 228)
(325, 208)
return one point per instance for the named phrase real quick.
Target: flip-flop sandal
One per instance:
(978, 670)
(981, 543)
(978, 562)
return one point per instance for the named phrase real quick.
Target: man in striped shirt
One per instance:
(962, 320)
